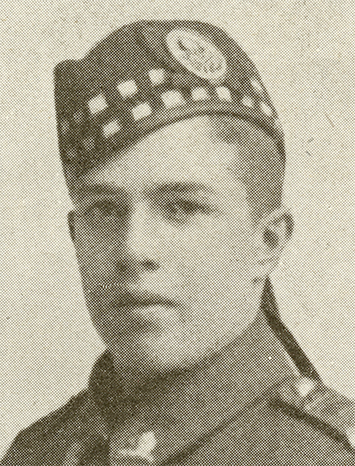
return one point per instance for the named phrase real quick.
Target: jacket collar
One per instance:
(185, 408)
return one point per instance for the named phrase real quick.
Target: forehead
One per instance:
(187, 151)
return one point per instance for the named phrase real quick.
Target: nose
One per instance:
(140, 241)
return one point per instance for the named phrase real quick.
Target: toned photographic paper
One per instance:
(177, 218)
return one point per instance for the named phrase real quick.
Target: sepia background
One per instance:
(304, 50)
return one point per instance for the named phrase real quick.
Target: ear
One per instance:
(71, 222)
(271, 236)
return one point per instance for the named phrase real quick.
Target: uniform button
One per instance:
(305, 386)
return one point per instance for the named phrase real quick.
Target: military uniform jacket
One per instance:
(245, 406)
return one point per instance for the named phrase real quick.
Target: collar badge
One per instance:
(146, 444)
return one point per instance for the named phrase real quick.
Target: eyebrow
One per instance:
(97, 189)
(167, 188)
(183, 187)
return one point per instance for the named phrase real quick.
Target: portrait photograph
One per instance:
(177, 217)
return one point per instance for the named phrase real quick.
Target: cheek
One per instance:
(95, 257)
(214, 273)
(212, 254)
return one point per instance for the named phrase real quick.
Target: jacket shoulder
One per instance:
(281, 428)
(33, 441)
(315, 421)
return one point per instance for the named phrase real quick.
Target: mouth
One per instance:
(144, 313)
(130, 300)
(139, 311)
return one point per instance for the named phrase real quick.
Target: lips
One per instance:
(131, 299)
(144, 312)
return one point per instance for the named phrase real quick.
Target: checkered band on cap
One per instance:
(149, 74)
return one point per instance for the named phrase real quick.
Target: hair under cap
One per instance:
(148, 74)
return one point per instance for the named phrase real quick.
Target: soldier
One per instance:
(174, 159)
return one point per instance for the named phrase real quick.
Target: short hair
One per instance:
(260, 163)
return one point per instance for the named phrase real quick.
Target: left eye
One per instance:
(186, 206)
(182, 209)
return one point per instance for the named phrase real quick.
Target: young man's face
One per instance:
(165, 244)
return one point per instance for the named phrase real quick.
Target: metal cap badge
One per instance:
(197, 54)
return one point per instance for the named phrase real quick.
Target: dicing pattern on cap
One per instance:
(140, 453)
(266, 109)
(121, 89)
(224, 93)
(127, 88)
(141, 111)
(172, 98)
(157, 76)
(109, 129)
(199, 93)
(248, 101)
(304, 386)
(97, 104)
(257, 86)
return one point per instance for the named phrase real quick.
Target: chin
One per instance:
(158, 354)
(174, 354)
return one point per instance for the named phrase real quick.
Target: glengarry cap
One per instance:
(148, 74)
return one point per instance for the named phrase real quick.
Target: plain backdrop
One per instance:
(304, 51)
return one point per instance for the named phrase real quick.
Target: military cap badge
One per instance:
(197, 54)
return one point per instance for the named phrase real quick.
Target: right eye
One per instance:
(104, 211)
